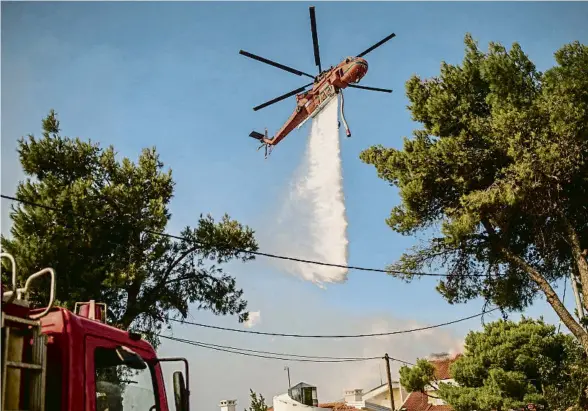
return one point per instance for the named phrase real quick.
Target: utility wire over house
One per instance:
(258, 253)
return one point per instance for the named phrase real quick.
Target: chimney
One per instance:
(352, 396)
(228, 405)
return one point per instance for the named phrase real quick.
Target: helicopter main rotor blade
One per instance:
(317, 56)
(385, 90)
(273, 63)
(282, 97)
(378, 44)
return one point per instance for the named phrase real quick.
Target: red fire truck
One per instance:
(55, 359)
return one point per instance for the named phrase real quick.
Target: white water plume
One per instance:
(312, 223)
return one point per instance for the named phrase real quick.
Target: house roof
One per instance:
(379, 389)
(303, 385)
(441, 373)
(337, 406)
(442, 367)
(418, 401)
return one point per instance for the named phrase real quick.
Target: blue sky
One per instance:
(169, 75)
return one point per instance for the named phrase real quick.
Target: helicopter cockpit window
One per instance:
(123, 380)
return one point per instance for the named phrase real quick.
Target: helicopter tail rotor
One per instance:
(264, 142)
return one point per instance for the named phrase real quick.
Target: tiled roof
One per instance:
(442, 367)
(418, 401)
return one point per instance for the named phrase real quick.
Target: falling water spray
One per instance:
(312, 223)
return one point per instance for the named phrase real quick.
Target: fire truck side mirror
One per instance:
(180, 394)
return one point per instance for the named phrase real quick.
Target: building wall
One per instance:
(384, 400)
(285, 403)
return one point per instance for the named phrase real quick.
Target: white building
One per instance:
(303, 397)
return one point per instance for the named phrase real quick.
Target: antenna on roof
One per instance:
(380, 368)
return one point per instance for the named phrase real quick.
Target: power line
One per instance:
(299, 357)
(197, 344)
(269, 255)
(292, 259)
(276, 356)
(334, 336)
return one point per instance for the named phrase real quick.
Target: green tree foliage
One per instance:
(499, 174)
(418, 377)
(101, 238)
(508, 365)
(257, 403)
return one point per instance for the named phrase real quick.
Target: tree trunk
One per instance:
(552, 298)
(563, 313)
(131, 308)
(579, 259)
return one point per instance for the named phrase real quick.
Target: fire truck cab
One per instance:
(55, 359)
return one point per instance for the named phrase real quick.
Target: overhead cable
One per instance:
(274, 355)
(333, 336)
(269, 255)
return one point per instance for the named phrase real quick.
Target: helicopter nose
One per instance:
(356, 70)
(362, 61)
(362, 67)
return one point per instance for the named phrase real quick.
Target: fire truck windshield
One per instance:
(121, 386)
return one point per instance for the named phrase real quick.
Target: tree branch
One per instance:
(163, 280)
(146, 300)
(431, 396)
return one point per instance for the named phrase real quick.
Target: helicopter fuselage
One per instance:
(327, 85)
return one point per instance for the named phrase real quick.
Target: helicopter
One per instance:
(326, 85)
